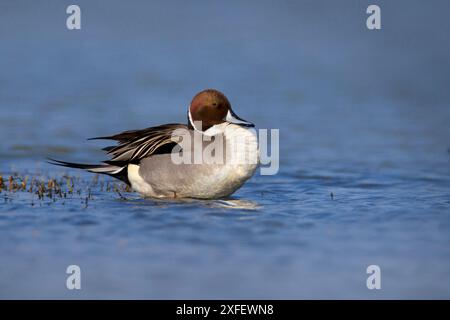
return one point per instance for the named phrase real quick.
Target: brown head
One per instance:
(211, 107)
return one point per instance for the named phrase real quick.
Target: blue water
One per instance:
(363, 115)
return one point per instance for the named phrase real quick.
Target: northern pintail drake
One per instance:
(209, 158)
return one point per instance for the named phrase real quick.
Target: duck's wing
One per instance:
(135, 145)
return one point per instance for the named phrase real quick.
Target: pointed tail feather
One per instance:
(96, 168)
(117, 172)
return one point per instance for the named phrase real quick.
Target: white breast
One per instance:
(206, 181)
(241, 159)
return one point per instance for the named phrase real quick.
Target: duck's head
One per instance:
(211, 107)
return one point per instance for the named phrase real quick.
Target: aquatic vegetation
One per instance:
(53, 189)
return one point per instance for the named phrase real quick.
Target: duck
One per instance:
(210, 157)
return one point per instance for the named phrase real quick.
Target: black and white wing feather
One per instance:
(135, 145)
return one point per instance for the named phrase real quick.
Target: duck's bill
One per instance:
(233, 118)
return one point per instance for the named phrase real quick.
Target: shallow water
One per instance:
(363, 116)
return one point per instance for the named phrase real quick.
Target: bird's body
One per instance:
(203, 180)
(209, 158)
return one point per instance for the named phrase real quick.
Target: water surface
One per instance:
(363, 115)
